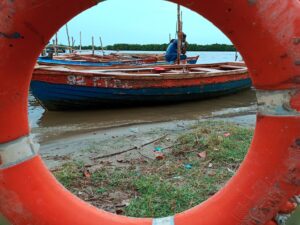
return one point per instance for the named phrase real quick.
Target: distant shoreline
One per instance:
(157, 47)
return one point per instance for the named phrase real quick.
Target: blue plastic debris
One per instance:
(188, 166)
(158, 149)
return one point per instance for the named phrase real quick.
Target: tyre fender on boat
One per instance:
(266, 32)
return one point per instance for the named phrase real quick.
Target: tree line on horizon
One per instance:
(159, 47)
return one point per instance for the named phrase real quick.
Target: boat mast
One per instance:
(179, 34)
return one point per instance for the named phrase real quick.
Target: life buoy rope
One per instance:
(264, 190)
(164, 221)
(18, 151)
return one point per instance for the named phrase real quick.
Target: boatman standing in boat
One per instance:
(172, 50)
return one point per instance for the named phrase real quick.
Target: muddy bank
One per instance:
(50, 126)
(104, 142)
(65, 136)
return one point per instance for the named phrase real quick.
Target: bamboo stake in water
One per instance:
(55, 45)
(80, 44)
(73, 44)
(101, 46)
(93, 46)
(68, 36)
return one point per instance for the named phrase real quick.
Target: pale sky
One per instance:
(139, 22)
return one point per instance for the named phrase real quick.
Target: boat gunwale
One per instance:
(118, 74)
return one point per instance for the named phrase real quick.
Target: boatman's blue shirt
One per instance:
(171, 53)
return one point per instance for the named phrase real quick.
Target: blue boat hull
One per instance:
(68, 97)
(77, 63)
(48, 61)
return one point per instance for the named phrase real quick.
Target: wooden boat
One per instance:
(110, 57)
(100, 61)
(61, 88)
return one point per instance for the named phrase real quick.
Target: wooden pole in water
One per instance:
(101, 45)
(55, 45)
(80, 44)
(176, 33)
(179, 34)
(73, 43)
(236, 56)
(93, 46)
(170, 38)
(68, 36)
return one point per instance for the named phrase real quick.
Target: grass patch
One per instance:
(68, 174)
(160, 188)
(3, 221)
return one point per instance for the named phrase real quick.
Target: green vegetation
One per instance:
(159, 47)
(137, 47)
(158, 188)
(69, 173)
(3, 221)
(163, 47)
(294, 220)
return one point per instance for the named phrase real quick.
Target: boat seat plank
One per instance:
(206, 70)
(232, 67)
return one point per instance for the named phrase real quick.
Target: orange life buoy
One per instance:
(266, 32)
